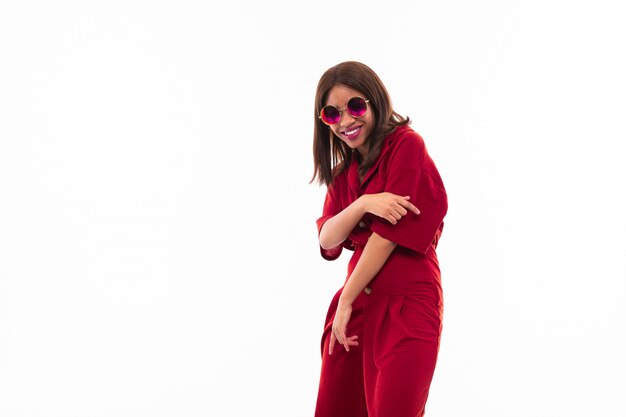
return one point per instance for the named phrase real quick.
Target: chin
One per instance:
(352, 145)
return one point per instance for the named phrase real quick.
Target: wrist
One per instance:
(344, 301)
(362, 204)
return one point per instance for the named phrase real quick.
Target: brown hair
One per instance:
(331, 154)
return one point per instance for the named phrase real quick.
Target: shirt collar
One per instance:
(353, 170)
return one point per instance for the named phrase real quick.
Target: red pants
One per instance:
(389, 373)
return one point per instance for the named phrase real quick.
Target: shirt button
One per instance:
(362, 224)
(367, 290)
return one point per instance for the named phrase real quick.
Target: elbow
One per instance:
(325, 241)
(324, 244)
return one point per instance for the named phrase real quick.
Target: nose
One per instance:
(346, 119)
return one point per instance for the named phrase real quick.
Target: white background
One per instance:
(157, 228)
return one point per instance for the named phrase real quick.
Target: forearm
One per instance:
(376, 252)
(337, 228)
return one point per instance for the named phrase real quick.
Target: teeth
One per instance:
(351, 132)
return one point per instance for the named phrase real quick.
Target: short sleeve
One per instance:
(412, 172)
(332, 207)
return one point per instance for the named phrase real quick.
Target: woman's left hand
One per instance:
(340, 324)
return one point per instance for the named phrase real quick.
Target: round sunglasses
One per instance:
(356, 107)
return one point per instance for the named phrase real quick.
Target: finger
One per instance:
(390, 217)
(332, 343)
(393, 212)
(409, 206)
(352, 340)
(341, 338)
(401, 210)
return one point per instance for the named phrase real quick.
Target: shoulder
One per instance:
(405, 139)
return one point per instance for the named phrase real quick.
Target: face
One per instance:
(354, 131)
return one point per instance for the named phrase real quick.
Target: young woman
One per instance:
(386, 202)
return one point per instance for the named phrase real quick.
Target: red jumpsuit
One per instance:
(398, 317)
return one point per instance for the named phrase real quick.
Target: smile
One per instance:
(351, 134)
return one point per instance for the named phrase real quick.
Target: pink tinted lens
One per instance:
(357, 107)
(330, 115)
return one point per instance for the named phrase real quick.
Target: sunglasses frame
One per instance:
(340, 110)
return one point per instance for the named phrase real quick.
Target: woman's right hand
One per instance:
(390, 207)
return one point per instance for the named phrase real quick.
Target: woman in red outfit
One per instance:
(382, 332)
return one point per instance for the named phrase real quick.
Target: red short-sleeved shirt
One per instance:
(403, 168)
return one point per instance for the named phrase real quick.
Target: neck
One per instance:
(363, 151)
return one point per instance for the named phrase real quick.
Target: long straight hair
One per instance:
(330, 154)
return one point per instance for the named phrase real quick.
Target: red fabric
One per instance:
(399, 323)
